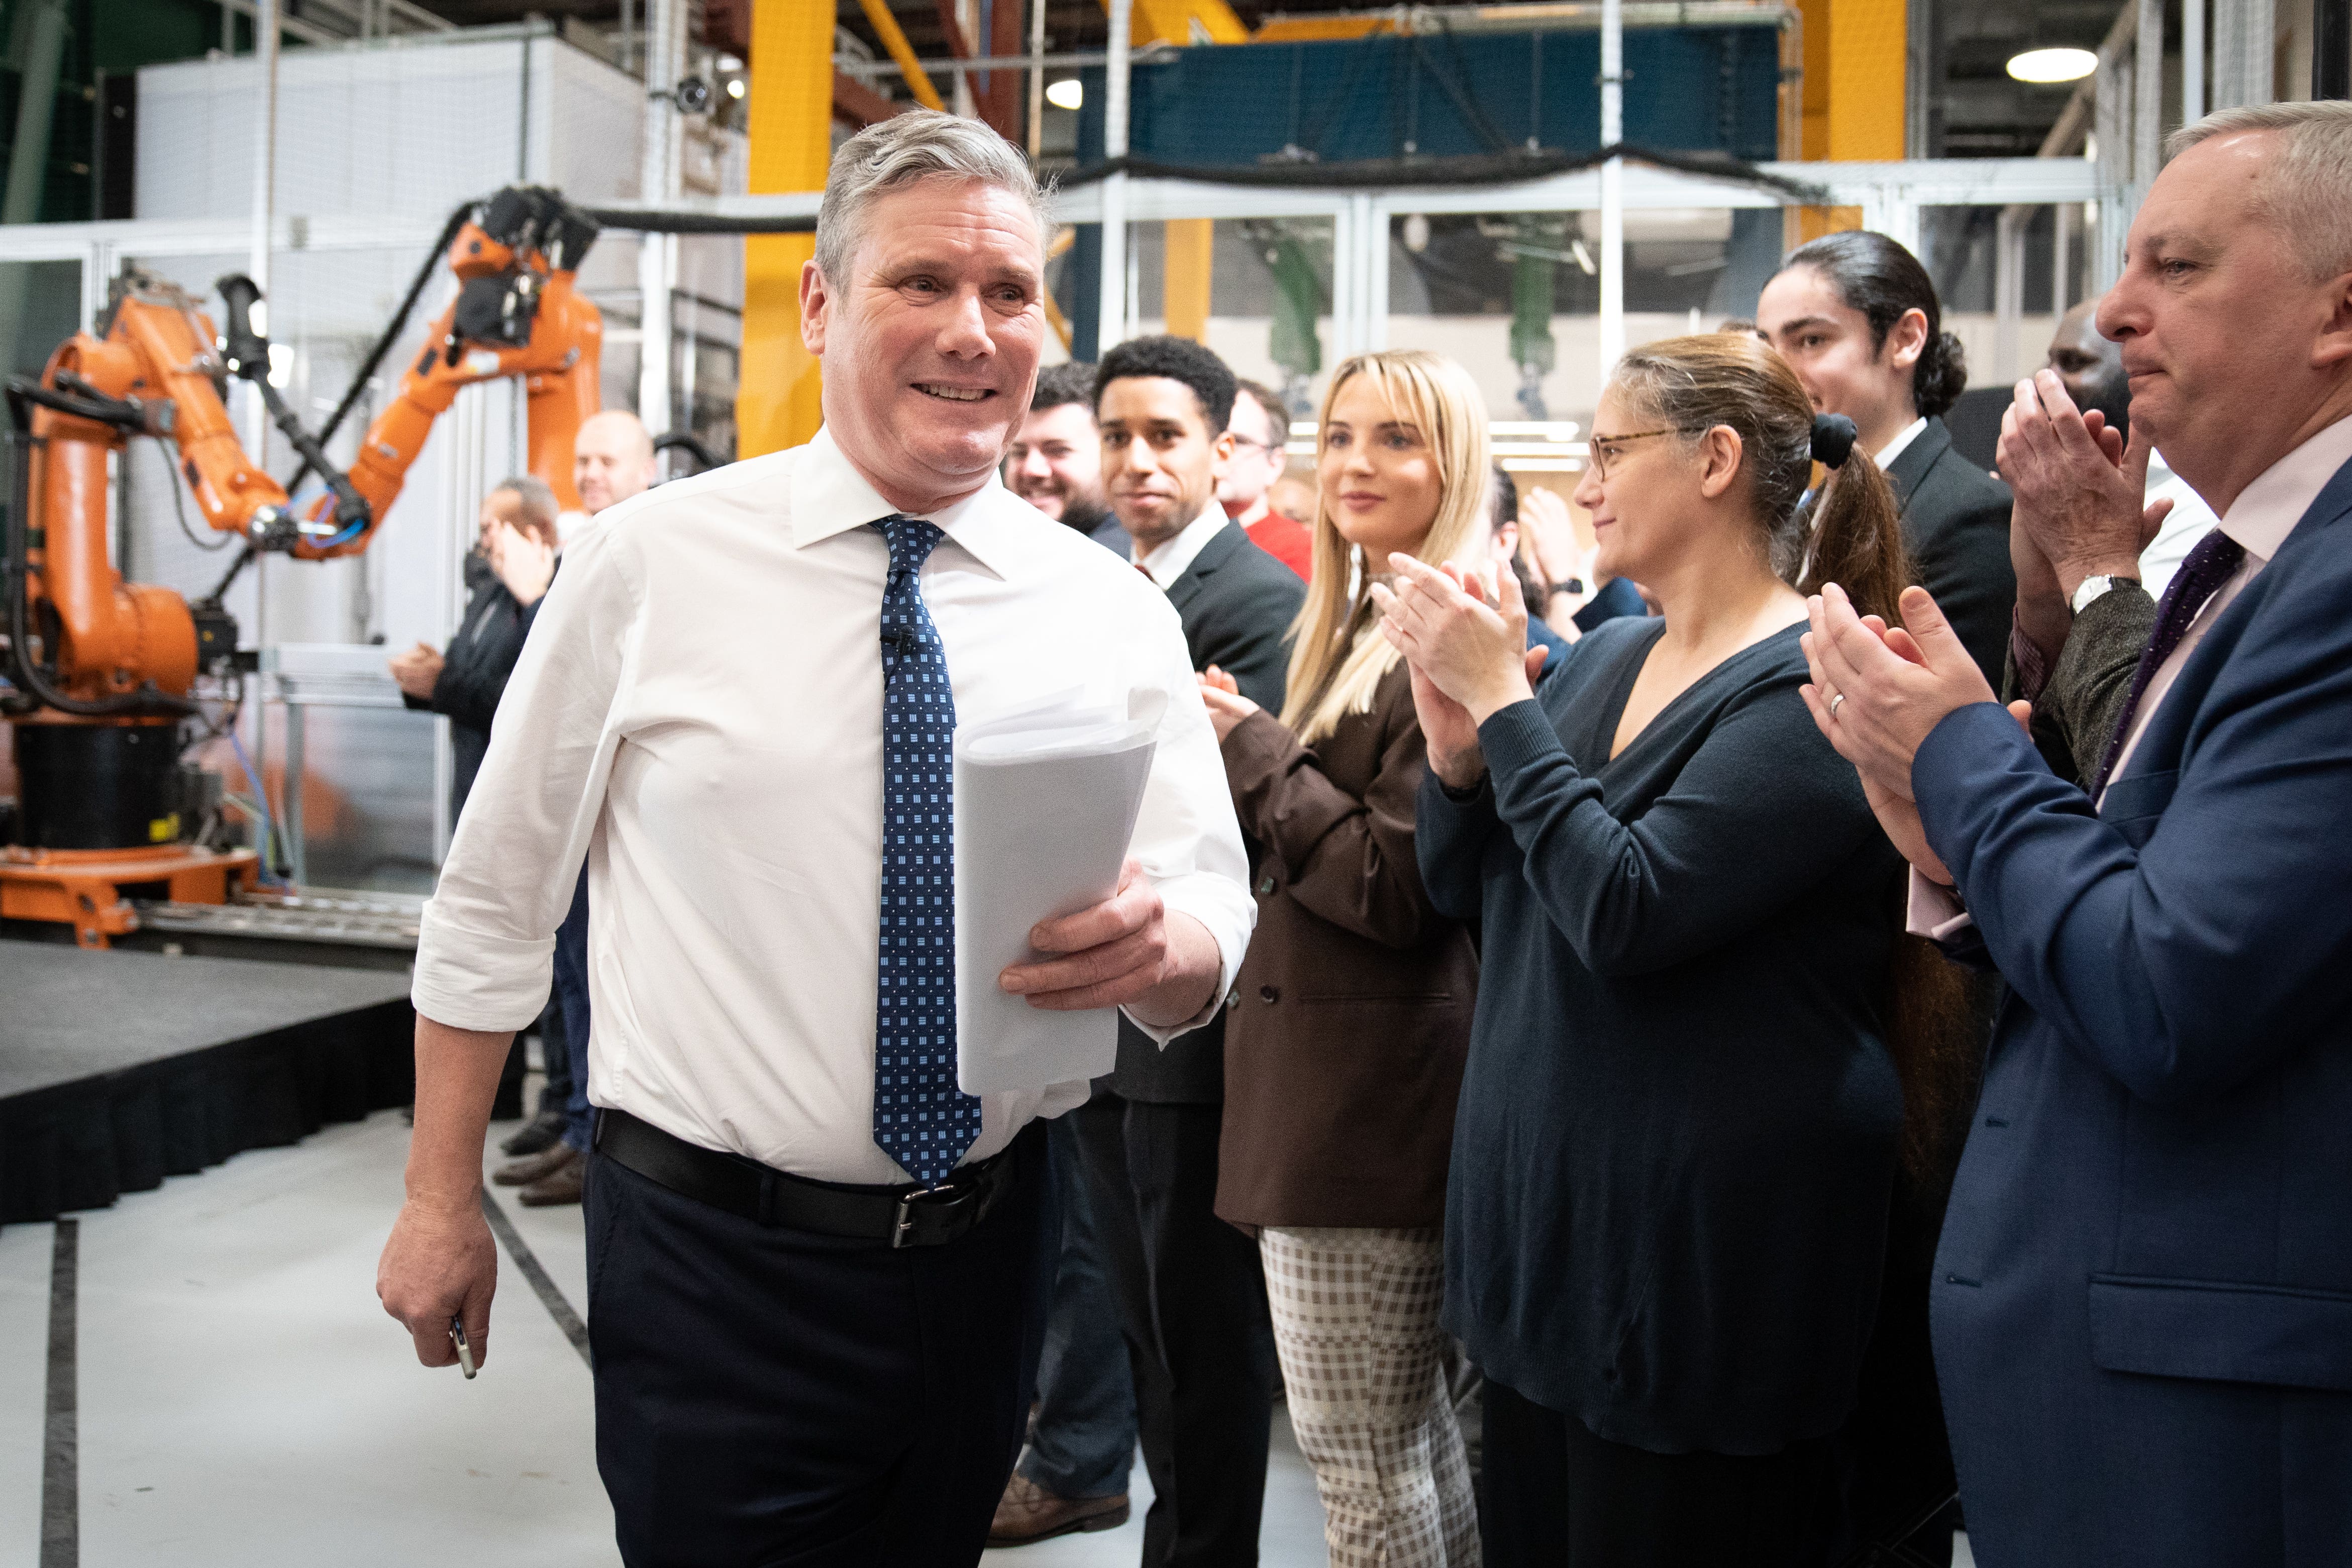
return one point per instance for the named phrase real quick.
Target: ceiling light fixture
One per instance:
(1067, 93)
(2045, 66)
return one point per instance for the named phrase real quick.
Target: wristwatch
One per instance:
(2091, 588)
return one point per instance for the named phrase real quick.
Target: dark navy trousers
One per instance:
(572, 998)
(770, 1396)
(1083, 1443)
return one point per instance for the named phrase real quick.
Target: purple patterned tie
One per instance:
(2201, 575)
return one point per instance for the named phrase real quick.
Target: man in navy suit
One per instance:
(2143, 1296)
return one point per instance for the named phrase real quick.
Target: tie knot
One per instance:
(911, 540)
(2216, 552)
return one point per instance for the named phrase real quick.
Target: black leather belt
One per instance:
(903, 1215)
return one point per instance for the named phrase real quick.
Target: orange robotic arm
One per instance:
(149, 368)
(517, 313)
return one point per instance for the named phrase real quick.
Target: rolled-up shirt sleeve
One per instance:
(1187, 839)
(486, 943)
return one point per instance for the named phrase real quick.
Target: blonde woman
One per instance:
(1344, 1053)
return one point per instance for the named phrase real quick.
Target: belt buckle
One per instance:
(942, 1203)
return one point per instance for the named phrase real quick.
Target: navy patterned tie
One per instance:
(920, 1118)
(2202, 572)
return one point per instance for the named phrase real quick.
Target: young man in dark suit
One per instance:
(2143, 1297)
(1191, 1294)
(1858, 318)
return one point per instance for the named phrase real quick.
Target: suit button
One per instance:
(1267, 886)
(1269, 995)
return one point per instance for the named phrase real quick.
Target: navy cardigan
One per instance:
(1667, 1206)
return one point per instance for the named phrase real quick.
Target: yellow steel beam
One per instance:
(777, 401)
(1854, 80)
(1186, 22)
(1321, 29)
(894, 38)
(1191, 243)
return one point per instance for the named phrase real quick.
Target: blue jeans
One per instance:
(1083, 1444)
(571, 995)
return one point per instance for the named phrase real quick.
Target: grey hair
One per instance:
(539, 503)
(919, 144)
(2306, 192)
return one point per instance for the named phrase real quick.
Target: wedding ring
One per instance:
(1835, 699)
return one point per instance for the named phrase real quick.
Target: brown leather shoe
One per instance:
(1028, 1512)
(535, 1167)
(561, 1186)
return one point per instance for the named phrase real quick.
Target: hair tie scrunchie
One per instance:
(1833, 436)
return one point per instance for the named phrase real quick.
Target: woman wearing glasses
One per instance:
(1680, 1117)
(1344, 1050)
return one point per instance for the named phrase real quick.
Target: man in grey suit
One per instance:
(2071, 656)
(1191, 1294)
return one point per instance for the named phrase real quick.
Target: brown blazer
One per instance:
(1345, 1043)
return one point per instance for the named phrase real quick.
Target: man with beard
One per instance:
(1055, 462)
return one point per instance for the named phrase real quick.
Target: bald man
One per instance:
(612, 460)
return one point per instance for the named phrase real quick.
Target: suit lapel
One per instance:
(1911, 465)
(1215, 554)
(2170, 727)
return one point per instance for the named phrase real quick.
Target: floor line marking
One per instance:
(60, 1465)
(550, 1295)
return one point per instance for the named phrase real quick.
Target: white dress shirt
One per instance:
(698, 713)
(1903, 439)
(1172, 559)
(2190, 520)
(2261, 518)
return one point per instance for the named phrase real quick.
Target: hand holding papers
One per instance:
(1045, 806)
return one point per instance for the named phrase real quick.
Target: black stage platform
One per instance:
(118, 1068)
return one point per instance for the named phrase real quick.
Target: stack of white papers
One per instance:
(1046, 805)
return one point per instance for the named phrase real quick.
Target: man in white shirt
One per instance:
(736, 706)
(2143, 1297)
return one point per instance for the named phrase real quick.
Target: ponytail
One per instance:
(1940, 376)
(1858, 540)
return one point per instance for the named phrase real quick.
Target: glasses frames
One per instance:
(1604, 451)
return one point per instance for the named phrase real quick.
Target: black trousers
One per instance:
(1191, 1299)
(1557, 1496)
(770, 1396)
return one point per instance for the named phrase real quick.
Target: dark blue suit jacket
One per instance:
(2143, 1298)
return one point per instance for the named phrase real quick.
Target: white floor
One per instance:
(243, 1402)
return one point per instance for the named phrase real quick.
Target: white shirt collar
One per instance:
(2267, 511)
(1173, 558)
(1903, 439)
(831, 496)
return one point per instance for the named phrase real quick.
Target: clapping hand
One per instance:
(417, 671)
(1550, 535)
(1227, 706)
(1890, 799)
(2080, 489)
(1465, 634)
(524, 562)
